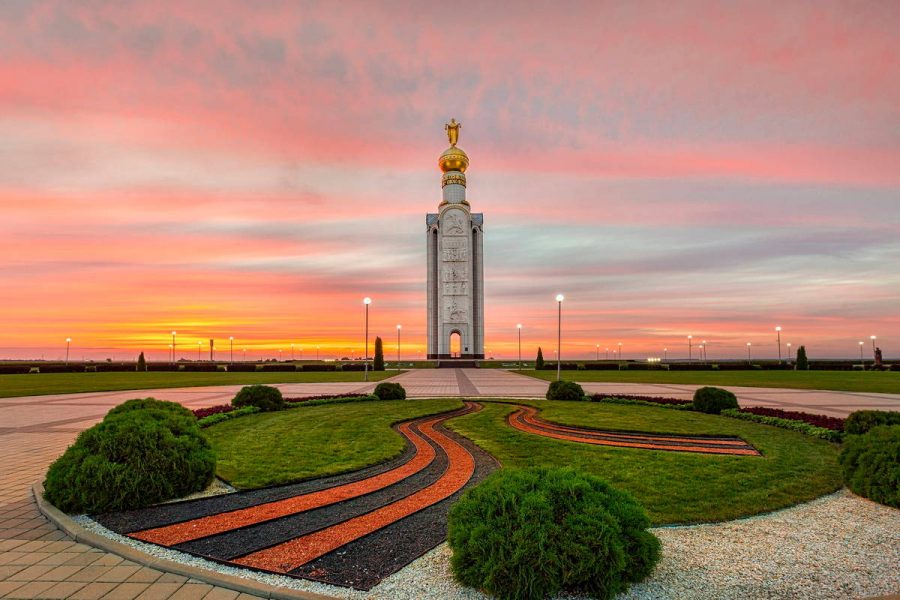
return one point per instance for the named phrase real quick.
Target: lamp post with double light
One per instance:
(778, 331)
(366, 301)
(519, 330)
(559, 301)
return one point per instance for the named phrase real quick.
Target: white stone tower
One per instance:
(455, 265)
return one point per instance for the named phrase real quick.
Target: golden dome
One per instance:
(453, 159)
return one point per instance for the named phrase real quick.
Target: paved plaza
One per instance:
(39, 561)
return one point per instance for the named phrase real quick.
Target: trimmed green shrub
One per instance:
(264, 397)
(133, 458)
(378, 361)
(714, 400)
(539, 361)
(802, 360)
(390, 391)
(533, 533)
(820, 432)
(565, 390)
(150, 403)
(862, 421)
(871, 463)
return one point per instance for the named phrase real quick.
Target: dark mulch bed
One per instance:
(362, 564)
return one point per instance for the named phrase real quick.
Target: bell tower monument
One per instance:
(455, 265)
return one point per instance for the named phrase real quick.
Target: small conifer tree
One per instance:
(378, 362)
(539, 362)
(142, 363)
(802, 361)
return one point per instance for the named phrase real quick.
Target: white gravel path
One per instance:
(838, 546)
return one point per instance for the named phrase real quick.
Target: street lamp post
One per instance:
(690, 348)
(519, 329)
(68, 342)
(705, 355)
(231, 343)
(873, 338)
(778, 331)
(790, 356)
(367, 301)
(665, 354)
(317, 353)
(173, 347)
(607, 354)
(861, 359)
(598, 351)
(559, 301)
(199, 346)
(292, 352)
(748, 353)
(620, 350)
(399, 327)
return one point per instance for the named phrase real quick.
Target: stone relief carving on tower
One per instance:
(455, 223)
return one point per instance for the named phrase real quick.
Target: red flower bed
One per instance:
(654, 399)
(833, 423)
(213, 410)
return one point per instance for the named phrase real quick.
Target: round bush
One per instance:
(130, 460)
(264, 397)
(714, 400)
(533, 533)
(565, 390)
(390, 391)
(153, 403)
(862, 421)
(871, 463)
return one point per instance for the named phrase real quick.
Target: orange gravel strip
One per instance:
(179, 533)
(289, 555)
(530, 417)
(514, 422)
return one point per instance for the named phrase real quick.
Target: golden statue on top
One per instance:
(452, 129)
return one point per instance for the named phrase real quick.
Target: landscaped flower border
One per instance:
(675, 403)
(801, 426)
(833, 423)
(221, 416)
(212, 415)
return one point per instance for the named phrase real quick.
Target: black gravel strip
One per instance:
(624, 437)
(243, 541)
(125, 522)
(363, 563)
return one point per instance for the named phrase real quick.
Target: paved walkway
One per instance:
(38, 561)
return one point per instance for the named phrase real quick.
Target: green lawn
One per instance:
(674, 487)
(848, 381)
(313, 441)
(68, 383)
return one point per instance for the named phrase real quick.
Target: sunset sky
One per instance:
(255, 169)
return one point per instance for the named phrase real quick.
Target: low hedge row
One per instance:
(645, 399)
(219, 417)
(803, 427)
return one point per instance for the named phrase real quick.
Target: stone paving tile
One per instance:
(7, 587)
(192, 591)
(90, 573)
(145, 575)
(119, 573)
(160, 591)
(93, 591)
(126, 591)
(31, 589)
(172, 578)
(62, 590)
(218, 593)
